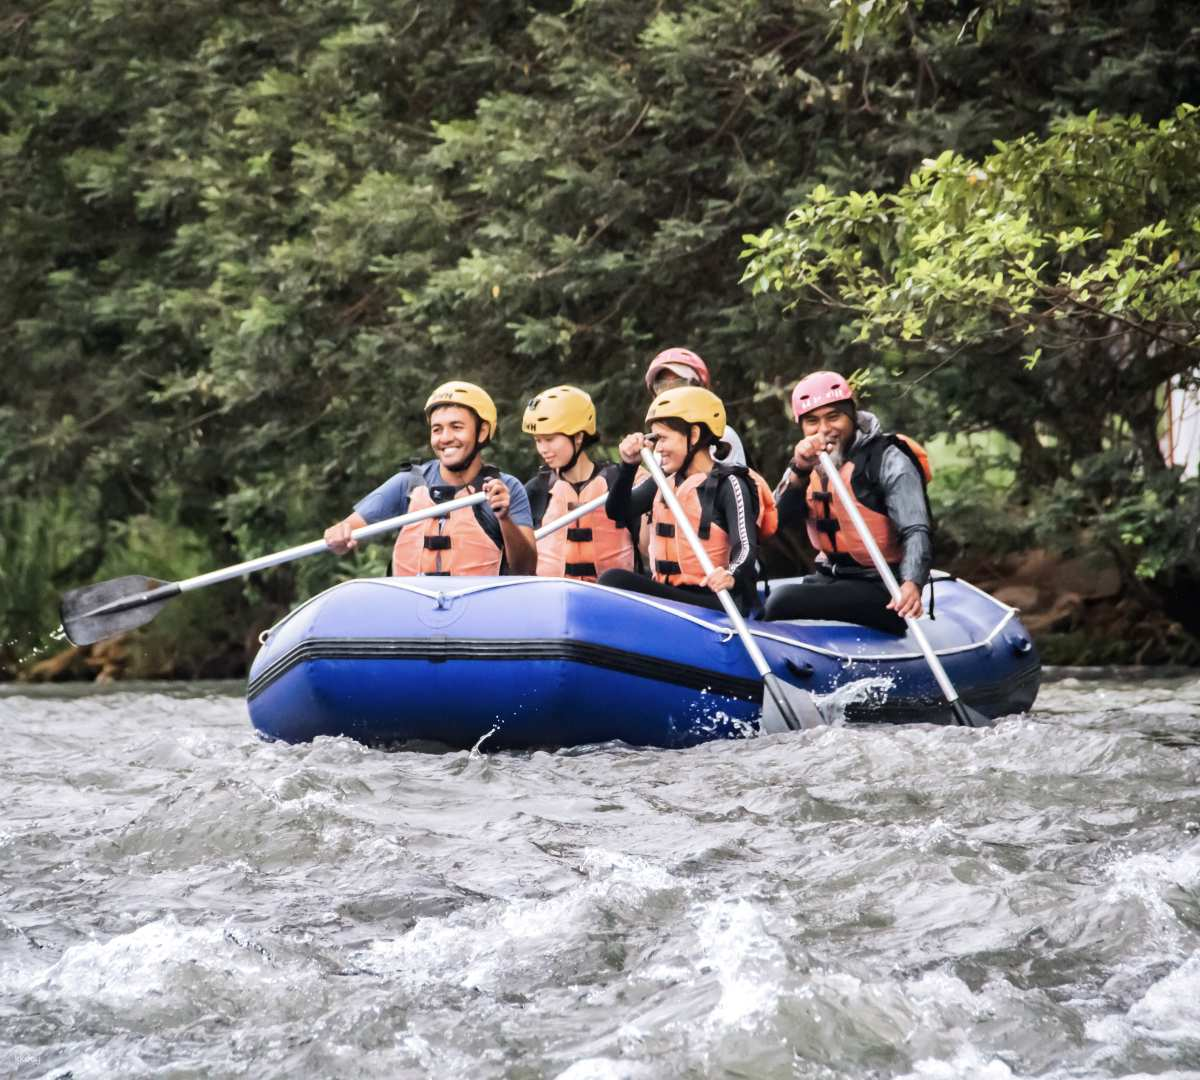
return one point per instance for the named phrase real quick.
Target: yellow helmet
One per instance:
(692, 404)
(562, 410)
(466, 394)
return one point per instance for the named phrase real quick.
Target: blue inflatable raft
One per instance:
(546, 662)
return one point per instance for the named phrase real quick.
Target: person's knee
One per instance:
(782, 603)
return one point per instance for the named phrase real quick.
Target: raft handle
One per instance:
(801, 671)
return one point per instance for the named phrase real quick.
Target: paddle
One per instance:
(963, 714)
(112, 607)
(785, 707)
(574, 515)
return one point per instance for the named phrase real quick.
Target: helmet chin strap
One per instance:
(693, 450)
(574, 457)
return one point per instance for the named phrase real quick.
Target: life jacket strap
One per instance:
(580, 569)
(579, 536)
(437, 543)
(708, 503)
(827, 525)
(667, 569)
(664, 528)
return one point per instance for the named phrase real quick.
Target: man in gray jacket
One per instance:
(886, 475)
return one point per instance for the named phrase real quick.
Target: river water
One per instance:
(181, 899)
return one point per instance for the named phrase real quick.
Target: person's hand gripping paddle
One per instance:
(785, 707)
(963, 714)
(112, 607)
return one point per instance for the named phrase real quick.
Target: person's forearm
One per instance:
(520, 548)
(792, 503)
(740, 526)
(616, 506)
(917, 559)
(626, 504)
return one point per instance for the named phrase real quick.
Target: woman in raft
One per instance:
(721, 502)
(562, 421)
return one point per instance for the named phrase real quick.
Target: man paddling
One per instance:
(493, 538)
(886, 475)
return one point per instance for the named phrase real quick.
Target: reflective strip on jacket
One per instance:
(671, 556)
(454, 543)
(587, 547)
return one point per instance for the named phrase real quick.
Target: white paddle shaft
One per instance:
(574, 515)
(317, 546)
(885, 572)
(685, 526)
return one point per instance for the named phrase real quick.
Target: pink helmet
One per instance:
(819, 388)
(676, 358)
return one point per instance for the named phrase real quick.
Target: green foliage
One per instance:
(241, 242)
(200, 623)
(1053, 240)
(40, 541)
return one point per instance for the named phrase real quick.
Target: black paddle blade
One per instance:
(111, 607)
(787, 708)
(965, 716)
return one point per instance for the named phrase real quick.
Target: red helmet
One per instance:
(676, 358)
(819, 388)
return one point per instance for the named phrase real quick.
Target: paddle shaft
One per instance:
(250, 566)
(885, 572)
(685, 526)
(574, 515)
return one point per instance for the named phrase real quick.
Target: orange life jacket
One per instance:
(767, 520)
(455, 543)
(671, 556)
(766, 515)
(589, 546)
(830, 527)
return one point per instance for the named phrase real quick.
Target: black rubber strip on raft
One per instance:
(437, 650)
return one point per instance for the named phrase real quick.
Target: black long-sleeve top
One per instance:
(733, 511)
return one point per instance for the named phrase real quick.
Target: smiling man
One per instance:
(495, 537)
(886, 475)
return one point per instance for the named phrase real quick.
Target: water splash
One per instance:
(872, 691)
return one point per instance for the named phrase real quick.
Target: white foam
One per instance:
(749, 963)
(967, 1064)
(1168, 1012)
(156, 969)
(1145, 878)
(872, 692)
(601, 1068)
(484, 946)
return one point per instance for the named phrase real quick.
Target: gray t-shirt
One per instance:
(391, 499)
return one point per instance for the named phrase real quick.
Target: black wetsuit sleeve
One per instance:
(625, 502)
(734, 512)
(792, 502)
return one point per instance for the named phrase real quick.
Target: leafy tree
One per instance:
(242, 242)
